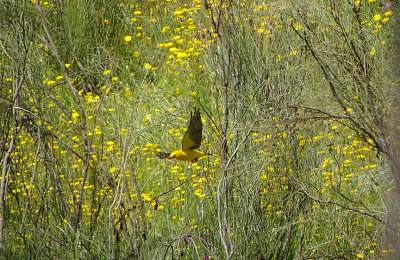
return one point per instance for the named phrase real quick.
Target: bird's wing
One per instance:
(193, 135)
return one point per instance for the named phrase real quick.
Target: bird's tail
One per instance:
(162, 155)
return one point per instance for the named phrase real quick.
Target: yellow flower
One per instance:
(113, 169)
(178, 12)
(181, 55)
(147, 66)
(75, 116)
(128, 38)
(377, 17)
(372, 52)
(360, 256)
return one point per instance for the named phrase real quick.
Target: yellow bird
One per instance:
(191, 141)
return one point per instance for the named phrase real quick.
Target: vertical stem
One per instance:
(4, 174)
(223, 156)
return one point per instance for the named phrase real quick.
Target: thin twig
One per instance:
(343, 206)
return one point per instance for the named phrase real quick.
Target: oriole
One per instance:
(191, 141)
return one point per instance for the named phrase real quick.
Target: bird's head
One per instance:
(172, 155)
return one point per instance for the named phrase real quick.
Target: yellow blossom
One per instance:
(75, 116)
(128, 38)
(164, 29)
(388, 13)
(372, 52)
(377, 17)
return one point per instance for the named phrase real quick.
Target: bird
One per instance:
(190, 142)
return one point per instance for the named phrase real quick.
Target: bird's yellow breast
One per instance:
(186, 155)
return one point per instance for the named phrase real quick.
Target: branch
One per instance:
(348, 208)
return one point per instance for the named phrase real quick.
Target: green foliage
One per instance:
(294, 113)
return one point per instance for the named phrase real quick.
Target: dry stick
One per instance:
(63, 109)
(363, 68)
(117, 200)
(82, 112)
(170, 245)
(322, 67)
(227, 185)
(356, 124)
(224, 228)
(223, 162)
(302, 232)
(4, 174)
(30, 187)
(133, 222)
(229, 256)
(56, 180)
(195, 248)
(136, 249)
(344, 206)
(333, 89)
